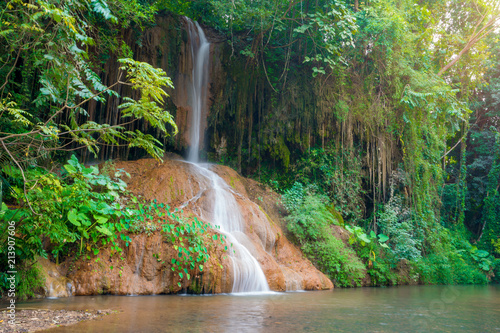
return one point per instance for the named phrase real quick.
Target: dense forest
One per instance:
(379, 117)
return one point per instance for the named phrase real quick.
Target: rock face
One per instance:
(164, 45)
(144, 265)
(56, 283)
(141, 271)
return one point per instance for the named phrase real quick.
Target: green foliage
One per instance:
(190, 241)
(439, 269)
(380, 263)
(374, 105)
(491, 209)
(337, 173)
(496, 246)
(29, 280)
(83, 206)
(453, 260)
(293, 198)
(189, 237)
(310, 218)
(310, 224)
(93, 210)
(359, 235)
(50, 75)
(151, 83)
(372, 249)
(336, 260)
(405, 234)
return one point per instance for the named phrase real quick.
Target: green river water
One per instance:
(397, 309)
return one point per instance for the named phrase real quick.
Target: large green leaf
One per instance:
(482, 254)
(73, 218)
(101, 219)
(104, 230)
(70, 168)
(382, 238)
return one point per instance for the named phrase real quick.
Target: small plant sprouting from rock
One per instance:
(189, 240)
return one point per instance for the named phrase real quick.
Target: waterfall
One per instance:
(247, 273)
(200, 48)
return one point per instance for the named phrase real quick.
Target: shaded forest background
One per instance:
(380, 115)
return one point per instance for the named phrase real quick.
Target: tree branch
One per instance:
(22, 174)
(474, 38)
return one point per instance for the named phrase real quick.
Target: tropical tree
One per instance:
(48, 77)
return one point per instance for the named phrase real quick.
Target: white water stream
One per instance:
(247, 273)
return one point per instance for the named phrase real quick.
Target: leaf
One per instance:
(73, 218)
(71, 169)
(104, 230)
(482, 254)
(101, 219)
(382, 238)
(484, 266)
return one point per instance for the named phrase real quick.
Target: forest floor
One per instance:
(31, 320)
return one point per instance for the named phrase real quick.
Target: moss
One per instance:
(336, 214)
(196, 286)
(268, 218)
(172, 189)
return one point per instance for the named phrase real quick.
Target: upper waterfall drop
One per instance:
(225, 211)
(200, 48)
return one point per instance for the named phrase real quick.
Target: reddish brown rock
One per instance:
(144, 269)
(283, 263)
(56, 284)
(144, 266)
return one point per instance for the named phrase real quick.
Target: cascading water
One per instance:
(248, 275)
(200, 48)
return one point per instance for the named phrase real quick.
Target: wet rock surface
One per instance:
(260, 207)
(56, 283)
(146, 270)
(144, 266)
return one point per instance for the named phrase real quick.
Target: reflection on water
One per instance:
(401, 309)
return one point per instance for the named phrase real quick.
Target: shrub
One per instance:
(310, 223)
(405, 236)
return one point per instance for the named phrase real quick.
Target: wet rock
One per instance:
(146, 270)
(56, 283)
(144, 267)
(263, 234)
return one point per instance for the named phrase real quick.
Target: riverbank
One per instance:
(32, 320)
